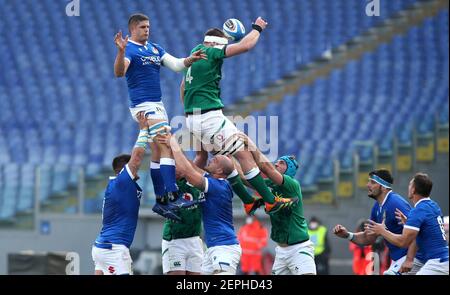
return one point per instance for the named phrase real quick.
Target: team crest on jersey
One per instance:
(220, 137)
(155, 50)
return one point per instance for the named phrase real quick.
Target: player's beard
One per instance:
(373, 196)
(144, 38)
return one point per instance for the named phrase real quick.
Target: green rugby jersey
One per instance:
(288, 226)
(191, 217)
(202, 79)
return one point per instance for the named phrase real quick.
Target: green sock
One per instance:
(240, 190)
(260, 186)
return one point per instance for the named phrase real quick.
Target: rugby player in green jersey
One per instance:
(203, 105)
(182, 248)
(295, 252)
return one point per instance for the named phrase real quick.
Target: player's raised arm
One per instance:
(261, 160)
(194, 175)
(182, 91)
(121, 64)
(360, 238)
(238, 168)
(179, 64)
(249, 41)
(402, 240)
(141, 145)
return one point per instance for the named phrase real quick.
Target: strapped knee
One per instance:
(160, 128)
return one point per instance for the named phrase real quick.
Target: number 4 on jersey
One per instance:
(189, 78)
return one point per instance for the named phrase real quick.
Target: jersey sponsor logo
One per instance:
(148, 60)
(177, 263)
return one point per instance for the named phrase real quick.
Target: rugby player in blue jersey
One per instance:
(140, 61)
(424, 225)
(387, 203)
(121, 202)
(223, 250)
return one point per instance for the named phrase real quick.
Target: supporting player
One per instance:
(182, 248)
(110, 251)
(295, 252)
(223, 250)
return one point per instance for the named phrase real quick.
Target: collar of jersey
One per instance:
(207, 174)
(139, 44)
(385, 199)
(112, 177)
(423, 199)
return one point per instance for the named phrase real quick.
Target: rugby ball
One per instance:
(234, 29)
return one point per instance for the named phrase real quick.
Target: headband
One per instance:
(215, 39)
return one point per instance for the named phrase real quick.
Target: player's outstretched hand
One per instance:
(375, 228)
(198, 55)
(247, 141)
(120, 42)
(142, 121)
(194, 57)
(163, 139)
(400, 216)
(340, 231)
(261, 22)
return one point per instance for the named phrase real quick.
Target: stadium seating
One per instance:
(62, 108)
(400, 87)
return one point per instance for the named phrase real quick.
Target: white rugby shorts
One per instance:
(115, 261)
(182, 255)
(296, 259)
(221, 259)
(216, 132)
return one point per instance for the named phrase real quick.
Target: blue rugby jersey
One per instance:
(120, 210)
(386, 212)
(143, 74)
(426, 218)
(217, 213)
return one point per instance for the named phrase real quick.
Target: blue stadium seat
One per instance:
(73, 112)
